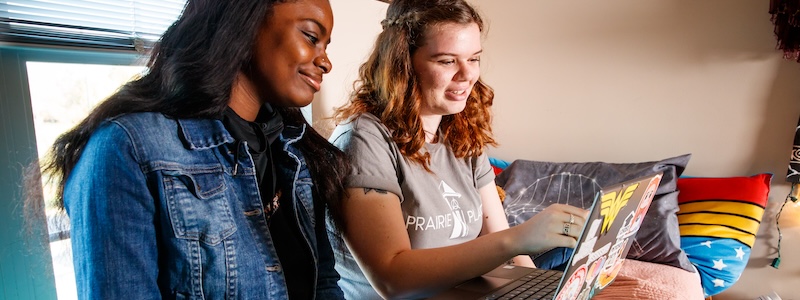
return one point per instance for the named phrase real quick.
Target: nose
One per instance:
(467, 71)
(324, 63)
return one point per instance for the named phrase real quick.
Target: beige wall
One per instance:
(587, 80)
(356, 24)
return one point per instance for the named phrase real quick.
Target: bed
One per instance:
(696, 238)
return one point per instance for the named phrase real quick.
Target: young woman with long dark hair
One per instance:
(201, 178)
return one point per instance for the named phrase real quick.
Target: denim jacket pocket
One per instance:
(198, 209)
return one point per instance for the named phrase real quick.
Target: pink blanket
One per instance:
(644, 280)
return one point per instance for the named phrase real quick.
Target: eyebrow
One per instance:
(453, 54)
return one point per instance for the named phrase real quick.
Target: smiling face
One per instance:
(289, 57)
(447, 67)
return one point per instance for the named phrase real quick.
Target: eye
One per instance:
(447, 62)
(475, 59)
(311, 37)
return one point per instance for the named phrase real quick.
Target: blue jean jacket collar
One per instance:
(203, 133)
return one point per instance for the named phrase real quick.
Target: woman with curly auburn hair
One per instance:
(422, 210)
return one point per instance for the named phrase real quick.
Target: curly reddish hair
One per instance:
(388, 88)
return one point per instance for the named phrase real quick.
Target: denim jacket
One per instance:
(164, 209)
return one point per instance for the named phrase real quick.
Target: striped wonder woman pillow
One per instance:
(719, 219)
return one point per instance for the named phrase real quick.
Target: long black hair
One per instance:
(191, 72)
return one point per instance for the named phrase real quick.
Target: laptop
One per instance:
(615, 216)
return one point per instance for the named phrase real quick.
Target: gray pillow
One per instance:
(531, 186)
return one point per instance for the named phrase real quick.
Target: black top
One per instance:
(293, 252)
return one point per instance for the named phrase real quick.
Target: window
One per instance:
(62, 94)
(51, 52)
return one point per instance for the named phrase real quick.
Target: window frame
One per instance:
(26, 243)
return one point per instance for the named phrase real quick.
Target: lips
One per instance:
(457, 94)
(313, 80)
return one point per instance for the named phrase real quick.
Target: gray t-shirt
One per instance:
(440, 208)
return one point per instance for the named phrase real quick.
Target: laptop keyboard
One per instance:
(539, 284)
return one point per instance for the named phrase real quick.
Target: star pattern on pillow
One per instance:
(717, 260)
(718, 283)
(719, 264)
(739, 253)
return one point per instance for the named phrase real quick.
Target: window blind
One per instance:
(101, 24)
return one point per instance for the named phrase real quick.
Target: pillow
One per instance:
(719, 219)
(531, 186)
(498, 165)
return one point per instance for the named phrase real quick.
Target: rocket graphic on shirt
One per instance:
(451, 197)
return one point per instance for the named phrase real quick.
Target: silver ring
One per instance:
(566, 228)
(571, 219)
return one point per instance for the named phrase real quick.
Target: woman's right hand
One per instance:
(558, 225)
